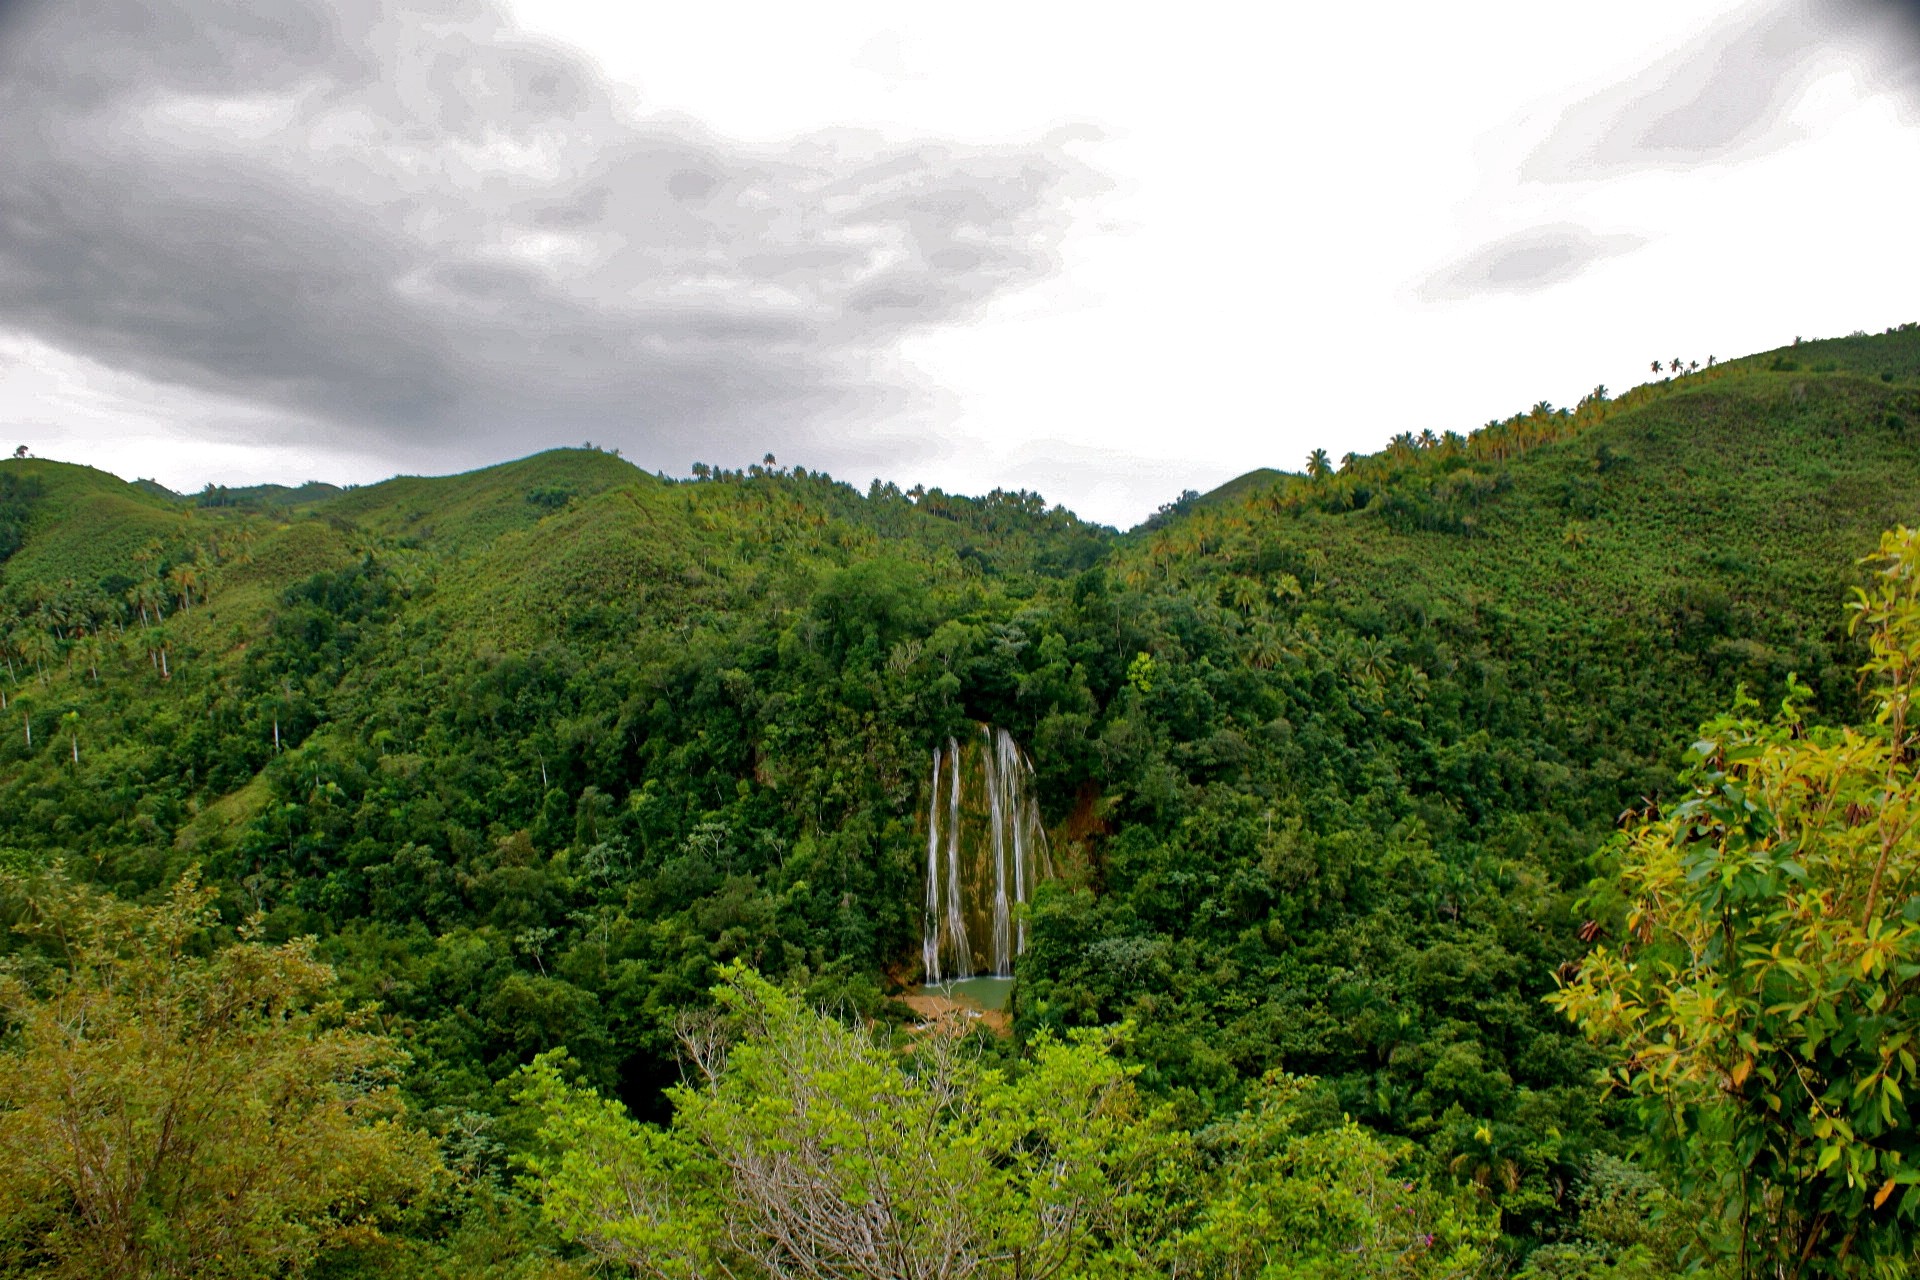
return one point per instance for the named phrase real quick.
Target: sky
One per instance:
(1107, 253)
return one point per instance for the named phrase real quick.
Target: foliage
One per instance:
(803, 1149)
(17, 496)
(1628, 1227)
(173, 1109)
(1323, 770)
(1764, 1000)
(1282, 1200)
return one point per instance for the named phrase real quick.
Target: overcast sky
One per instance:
(1104, 252)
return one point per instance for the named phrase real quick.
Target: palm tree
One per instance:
(1246, 594)
(150, 599)
(1372, 661)
(1656, 366)
(1349, 460)
(1318, 466)
(87, 652)
(185, 581)
(36, 647)
(157, 652)
(1428, 439)
(59, 611)
(1485, 1163)
(1268, 648)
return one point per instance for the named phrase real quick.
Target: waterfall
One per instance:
(986, 850)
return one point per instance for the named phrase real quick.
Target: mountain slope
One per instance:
(1325, 761)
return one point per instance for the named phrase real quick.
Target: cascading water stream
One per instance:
(986, 849)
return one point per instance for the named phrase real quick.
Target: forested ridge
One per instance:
(560, 799)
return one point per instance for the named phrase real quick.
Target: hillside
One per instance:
(1325, 760)
(1703, 527)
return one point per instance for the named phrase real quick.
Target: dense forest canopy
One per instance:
(542, 757)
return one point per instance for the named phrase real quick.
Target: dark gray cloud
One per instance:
(411, 224)
(1728, 95)
(1536, 258)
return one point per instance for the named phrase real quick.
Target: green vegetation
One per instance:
(804, 1149)
(535, 753)
(166, 1111)
(1765, 993)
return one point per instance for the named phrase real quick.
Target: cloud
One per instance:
(407, 224)
(1729, 94)
(1526, 261)
(1887, 32)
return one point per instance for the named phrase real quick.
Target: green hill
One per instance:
(83, 525)
(1325, 761)
(460, 513)
(263, 497)
(1239, 487)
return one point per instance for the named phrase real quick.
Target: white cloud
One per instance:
(731, 216)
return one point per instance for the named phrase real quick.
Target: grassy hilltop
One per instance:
(1326, 756)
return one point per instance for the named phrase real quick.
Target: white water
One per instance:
(986, 850)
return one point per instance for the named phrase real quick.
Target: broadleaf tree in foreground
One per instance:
(803, 1147)
(1763, 1001)
(169, 1107)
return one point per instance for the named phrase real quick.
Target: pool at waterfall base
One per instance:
(988, 995)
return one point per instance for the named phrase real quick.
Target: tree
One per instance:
(171, 1109)
(1246, 594)
(804, 1149)
(185, 578)
(1764, 1005)
(148, 598)
(1318, 465)
(36, 647)
(1281, 1198)
(159, 649)
(87, 652)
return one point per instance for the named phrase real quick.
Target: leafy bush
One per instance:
(1764, 1001)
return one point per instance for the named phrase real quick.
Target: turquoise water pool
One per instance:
(990, 994)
